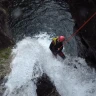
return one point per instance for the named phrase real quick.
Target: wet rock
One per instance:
(5, 35)
(45, 87)
(81, 11)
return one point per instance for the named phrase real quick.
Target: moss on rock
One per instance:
(5, 59)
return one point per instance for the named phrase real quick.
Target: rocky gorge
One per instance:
(80, 11)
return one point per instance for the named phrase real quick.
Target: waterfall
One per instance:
(32, 58)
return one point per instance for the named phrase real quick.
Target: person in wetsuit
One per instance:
(56, 46)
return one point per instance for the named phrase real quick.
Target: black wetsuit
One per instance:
(54, 48)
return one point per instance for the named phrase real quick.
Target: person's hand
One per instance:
(58, 49)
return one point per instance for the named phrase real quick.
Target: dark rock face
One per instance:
(81, 11)
(5, 35)
(45, 87)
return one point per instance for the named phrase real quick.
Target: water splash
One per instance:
(32, 58)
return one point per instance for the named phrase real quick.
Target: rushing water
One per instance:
(32, 58)
(33, 24)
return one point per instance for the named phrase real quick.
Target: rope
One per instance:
(79, 28)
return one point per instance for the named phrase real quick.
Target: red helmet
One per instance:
(61, 38)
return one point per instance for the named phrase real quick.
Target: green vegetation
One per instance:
(4, 54)
(5, 58)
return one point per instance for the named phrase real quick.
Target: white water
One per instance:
(32, 57)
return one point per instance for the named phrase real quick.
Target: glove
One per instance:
(58, 51)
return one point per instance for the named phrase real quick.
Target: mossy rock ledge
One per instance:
(5, 59)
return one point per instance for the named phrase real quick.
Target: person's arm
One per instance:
(60, 48)
(51, 46)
